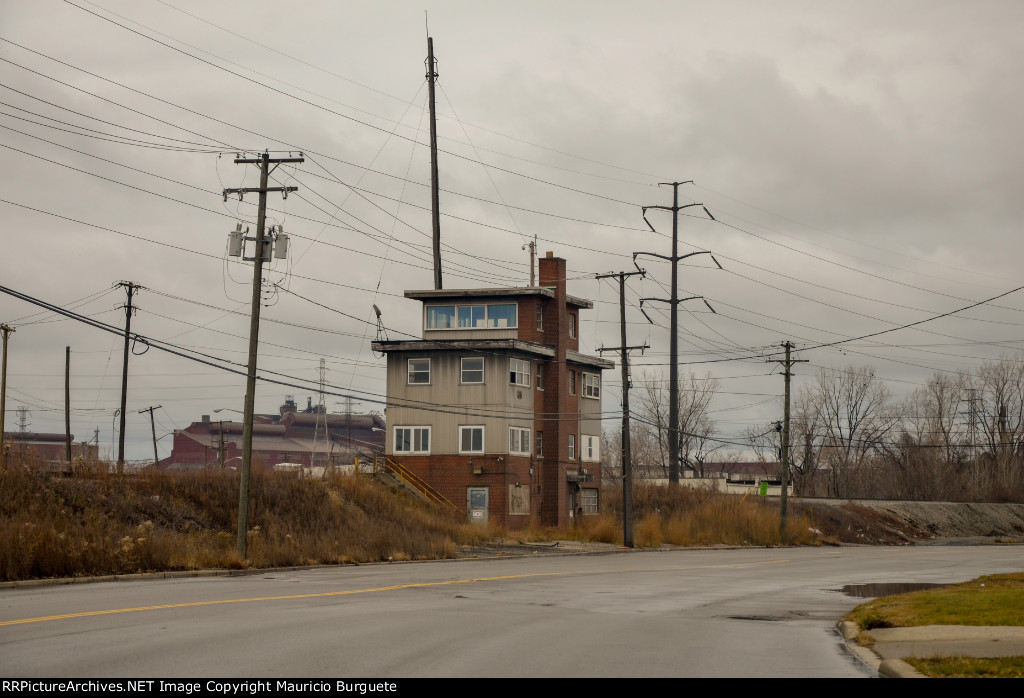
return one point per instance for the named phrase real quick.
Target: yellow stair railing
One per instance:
(411, 479)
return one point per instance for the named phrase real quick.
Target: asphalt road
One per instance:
(746, 612)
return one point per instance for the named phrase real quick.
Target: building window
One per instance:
(591, 385)
(572, 326)
(419, 371)
(473, 369)
(572, 447)
(471, 439)
(540, 444)
(540, 376)
(440, 317)
(519, 372)
(502, 315)
(472, 316)
(590, 448)
(412, 439)
(519, 440)
(540, 318)
(588, 500)
(572, 382)
(476, 317)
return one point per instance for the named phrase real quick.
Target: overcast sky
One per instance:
(862, 159)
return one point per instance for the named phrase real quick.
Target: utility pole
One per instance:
(220, 449)
(67, 403)
(264, 162)
(627, 458)
(533, 257)
(131, 289)
(435, 205)
(152, 425)
(6, 330)
(787, 364)
(348, 421)
(674, 301)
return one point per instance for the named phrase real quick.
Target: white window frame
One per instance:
(540, 318)
(519, 372)
(492, 323)
(591, 386)
(572, 447)
(572, 382)
(409, 372)
(519, 440)
(470, 308)
(415, 433)
(463, 369)
(539, 378)
(589, 500)
(489, 323)
(539, 441)
(454, 317)
(572, 326)
(471, 428)
(590, 448)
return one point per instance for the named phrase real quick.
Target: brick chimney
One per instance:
(557, 402)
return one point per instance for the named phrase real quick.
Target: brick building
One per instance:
(49, 447)
(288, 437)
(496, 407)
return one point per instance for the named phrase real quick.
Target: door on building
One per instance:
(478, 503)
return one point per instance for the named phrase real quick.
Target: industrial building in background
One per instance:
(50, 449)
(495, 408)
(285, 441)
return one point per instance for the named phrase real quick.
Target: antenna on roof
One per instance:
(380, 325)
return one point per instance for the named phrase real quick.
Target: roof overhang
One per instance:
(464, 293)
(595, 361)
(516, 345)
(455, 293)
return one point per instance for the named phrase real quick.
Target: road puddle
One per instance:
(871, 591)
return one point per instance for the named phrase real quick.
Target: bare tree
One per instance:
(850, 415)
(644, 453)
(929, 458)
(1001, 388)
(696, 430)
(611, 456)
(765, 441)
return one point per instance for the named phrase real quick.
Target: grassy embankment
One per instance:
(990, 600)
(100, 523)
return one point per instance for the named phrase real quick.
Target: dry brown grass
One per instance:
(100, 523)
(684, 516)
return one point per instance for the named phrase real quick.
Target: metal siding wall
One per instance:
(495, 397)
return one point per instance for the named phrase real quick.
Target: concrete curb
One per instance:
(887, 668)
(898, 669)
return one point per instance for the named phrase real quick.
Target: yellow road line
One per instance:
(191, 604)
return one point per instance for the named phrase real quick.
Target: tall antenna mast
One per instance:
(434, 202)
(320, 432)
